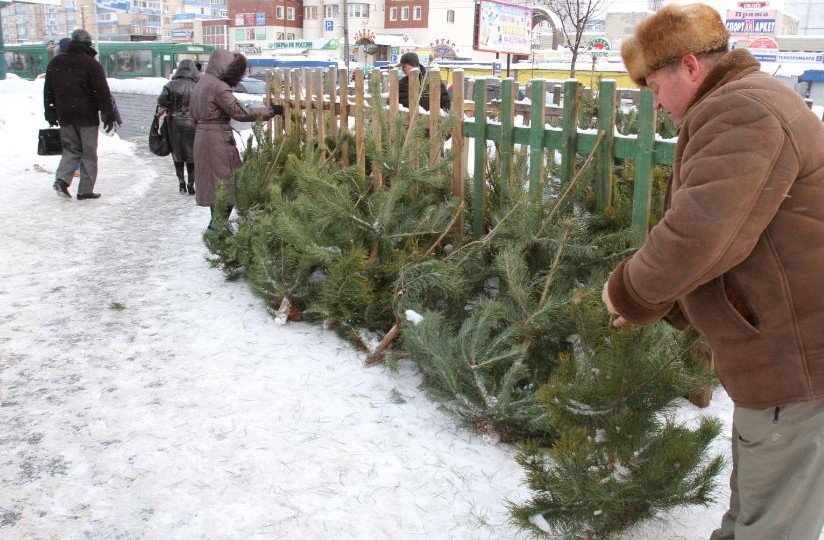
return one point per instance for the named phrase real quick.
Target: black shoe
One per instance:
(182, 187)
(191, 188)
(62, 189)
(81, 196)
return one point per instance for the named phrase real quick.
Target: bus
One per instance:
(120, 59)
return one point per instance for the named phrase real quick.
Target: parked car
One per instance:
(250, 85)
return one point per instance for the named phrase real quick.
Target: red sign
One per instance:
(764, 43)
(752, 5)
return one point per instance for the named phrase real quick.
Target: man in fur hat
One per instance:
(738, 255)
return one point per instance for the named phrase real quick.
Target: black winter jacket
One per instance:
(75, 89)
(403, 92)
(175, 99)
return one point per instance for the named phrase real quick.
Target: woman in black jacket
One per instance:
(174, 101)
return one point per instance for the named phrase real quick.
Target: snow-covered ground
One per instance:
(144, 396)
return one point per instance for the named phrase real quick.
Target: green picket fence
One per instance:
(602, 144)
(326, 108)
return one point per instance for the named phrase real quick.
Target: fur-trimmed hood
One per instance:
(675, 31)
(227, 66)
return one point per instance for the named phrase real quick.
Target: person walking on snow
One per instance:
(213, 106)
(76, 97)
(174, 102)
(737, 255)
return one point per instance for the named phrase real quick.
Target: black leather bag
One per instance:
(159, 138)
(48, 142)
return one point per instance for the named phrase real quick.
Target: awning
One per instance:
(812, 75)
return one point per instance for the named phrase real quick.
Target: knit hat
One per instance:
(410, 59)
(672, 33)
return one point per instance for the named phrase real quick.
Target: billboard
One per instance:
(505, 28)
(751, 21)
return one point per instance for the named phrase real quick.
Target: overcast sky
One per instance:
(721, 5)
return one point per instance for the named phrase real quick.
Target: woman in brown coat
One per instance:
(213, 106)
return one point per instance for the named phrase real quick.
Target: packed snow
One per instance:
(143, 395)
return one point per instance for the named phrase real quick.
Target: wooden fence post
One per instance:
(375, 85)
(331, 80)
(320, 113)
(343, 96)
(604, 163)
(479, 166)
(644, 163)
(458, 145)
(360, 128)
(507, 144)
(570, 131)
(393, 107)
(536, 138)
(435, 136)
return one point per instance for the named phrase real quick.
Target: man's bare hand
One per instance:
(616, 319)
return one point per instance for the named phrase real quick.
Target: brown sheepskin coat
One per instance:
(739, 253)
(212, 106)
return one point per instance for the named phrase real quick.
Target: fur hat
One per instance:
(672, 33)
(82, 36)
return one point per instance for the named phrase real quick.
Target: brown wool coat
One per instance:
(739, 253)
(213, 106)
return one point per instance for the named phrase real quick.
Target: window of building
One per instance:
(405, 13)
(279, 12)
(249, 33)
(393, 14)
(310, 12)
(330, 11)
(450, 15)
(358, 11)
(290, 35)
(416, 13)
(290, 14)
(280, 36)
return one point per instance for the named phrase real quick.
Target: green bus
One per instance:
(120, 59)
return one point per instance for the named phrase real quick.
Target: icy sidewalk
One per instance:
(144, 396)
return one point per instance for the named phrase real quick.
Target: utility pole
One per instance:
(2, 46)
(346, 35)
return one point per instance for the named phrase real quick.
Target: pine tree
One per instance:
(619, 457)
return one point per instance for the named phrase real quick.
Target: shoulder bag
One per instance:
(159, 138)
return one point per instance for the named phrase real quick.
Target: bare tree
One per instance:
(575, 15)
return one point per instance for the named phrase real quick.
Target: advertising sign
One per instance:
(260, 18)
(771, 55)
(751, 21)
(115, 5)
(751, 26)
(505, 28)
(599, 48)
(764, 43)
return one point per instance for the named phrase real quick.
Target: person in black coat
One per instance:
(410, 61)
(76, 97)
(174, 101)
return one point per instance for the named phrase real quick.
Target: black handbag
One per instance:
(159, 138)
(48, 142)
